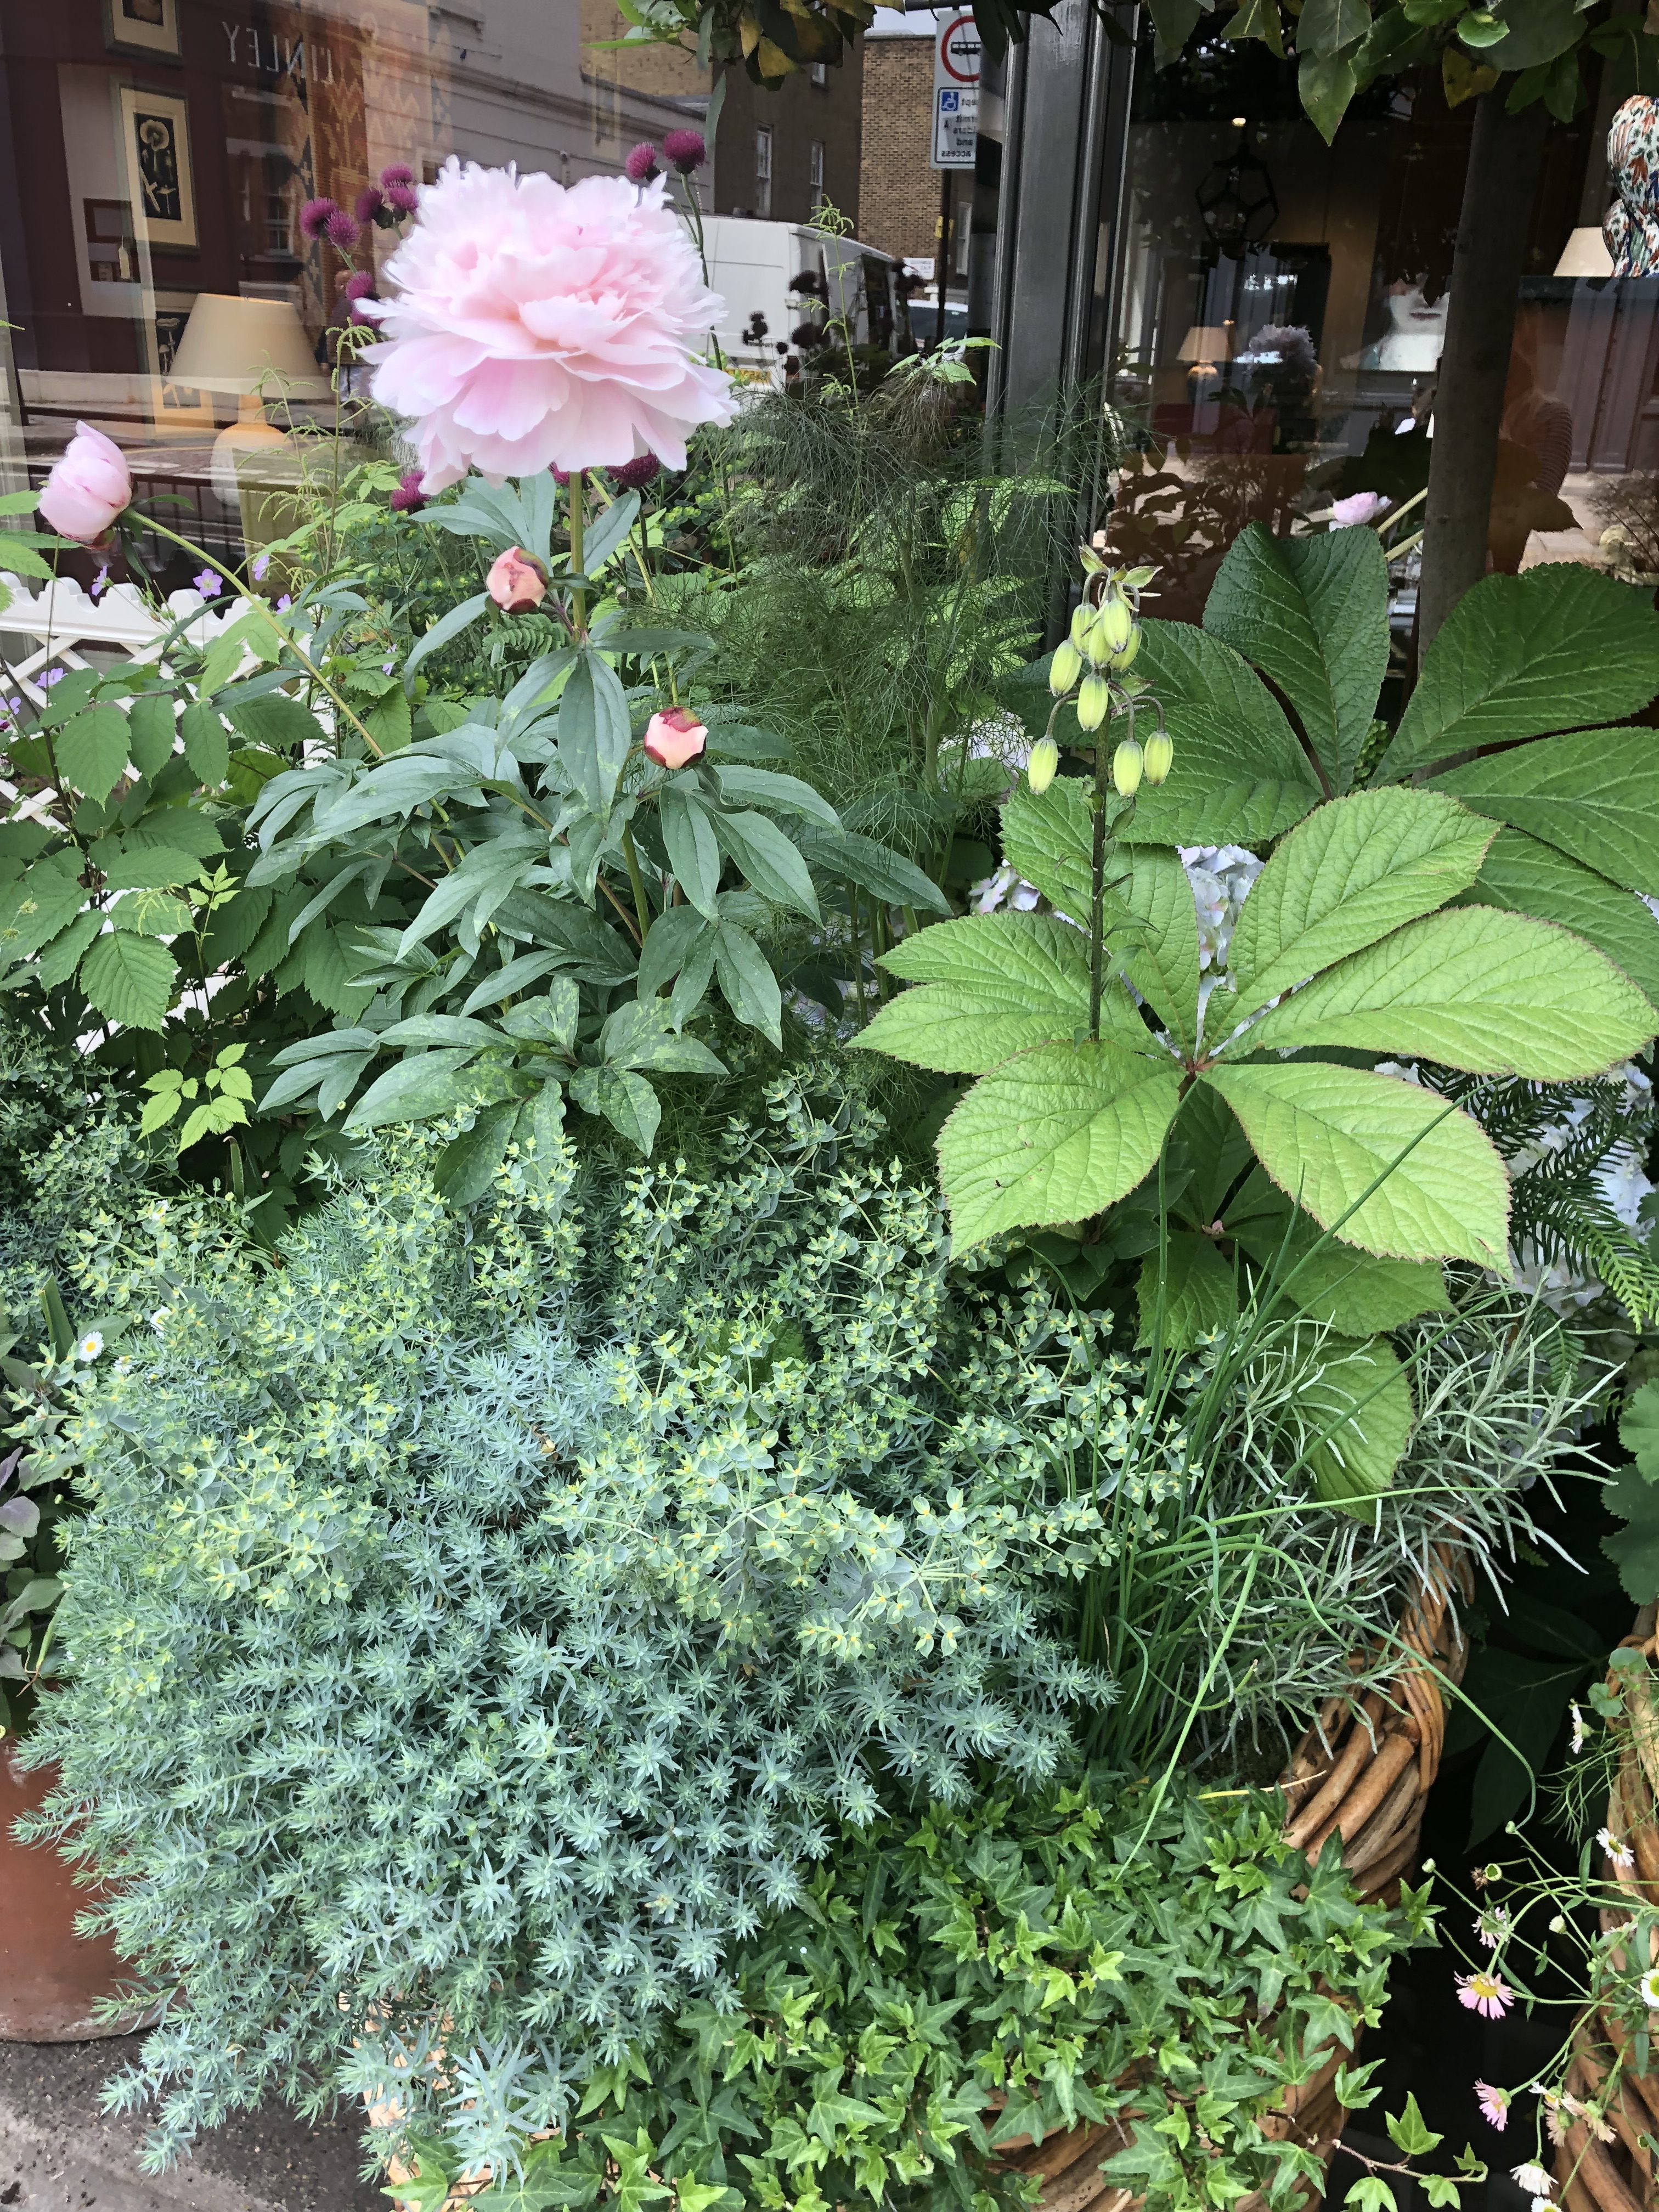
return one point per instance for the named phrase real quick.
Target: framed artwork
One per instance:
(155, 146)
(142, 27)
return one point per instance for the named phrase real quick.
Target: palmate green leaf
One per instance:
(1312, 613)
(1492, 993)
(91, 751)
(129, 978)
(1196, 1288)
(1634, 1549)
(1325, 1134)
(1352, 872)
(1156, 944)
(1240, 776)
(1520, 655)
(1638, 1430)
(1353, 1293)
(1529, 878)
(994, 985)
(1053, 1135)
(1359, 1407)
(1594, 795)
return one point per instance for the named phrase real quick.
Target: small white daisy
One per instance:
(1649, 1986)
(1534, 2181)
(1577, 1743)
(1621, 1855)
(90, 1345)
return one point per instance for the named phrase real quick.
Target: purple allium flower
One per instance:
(208, 584)
(685, 150)
(400, 172)
(402, 199)
(260, 565)
(635, 474)
(99, 582)
(641, 166)
(409, 498)
(370, 205)
(341, 230)
(316, 214)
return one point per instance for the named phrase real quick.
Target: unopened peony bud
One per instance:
(1127, 762)
(1158, 755)
(1083, 621)
(89, 485)
(1094, 702)
(515, 582)
(1064, 669)
(1039, 768)
(674, 737)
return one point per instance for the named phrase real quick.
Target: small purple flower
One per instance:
(52, 676)
(402, 199)
(685, 150)
(635, 474)
(370, 205)
(386, 667)
(409, 498)
(640, 167)
(99, 583)
(284, 604)
(359, 285)
(341, 230)
(261, 564)
(208, 584)
(316, 216)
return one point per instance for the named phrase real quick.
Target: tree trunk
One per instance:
(1505, 151)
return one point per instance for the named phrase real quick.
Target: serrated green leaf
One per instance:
(207, 744)
(151, 914)
(92, 750)
(1593, 794)
(1357, 1413)
(150, 730)
(1199, 1292)
(272, 719)
(143, 867)
(1634, 1549)
(416, 1089)
(1312, 611)
(1639, 1429)
(1530, 878)
(129, 978)
(1053, 1136)
(1559, 646)
(626, 1100)
(390, 721)
(771, 862)
(1050, 839)
(694, 852)
(1325, 1134)
(1157, 945)
(994, 985)
(1353, 1293)
(1479, 988)
(57, 960)
(37, 904)
(180, 828)
(1355, 869)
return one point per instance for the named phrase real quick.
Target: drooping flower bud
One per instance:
(1158, 754)
(1094, 702)
(1121, 660)
(674, 737)
(1065, 668)
(1039, 768)
(1115, 625)
(1127, 763)
(515, 582)
(1083, 621)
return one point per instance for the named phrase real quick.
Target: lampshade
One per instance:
(1585, 254)
(234, 344)
(1207, 342)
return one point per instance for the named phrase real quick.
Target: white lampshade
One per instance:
(1585, 254)
(1206, 343)
(233, 345)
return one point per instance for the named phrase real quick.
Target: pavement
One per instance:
(59, 2152)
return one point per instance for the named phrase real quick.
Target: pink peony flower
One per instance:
(674, 737)
(515, 582)
(1358, 507)
(684, 150)
(536, 327)
(314, 216)
(640, 167)
(409, 498)
(87, 488)
(1494, 2104)
(635, 474)
(1485, 1994)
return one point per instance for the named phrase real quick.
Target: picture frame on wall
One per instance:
(142, 27)
(155, 151)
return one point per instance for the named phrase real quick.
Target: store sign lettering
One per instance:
(265, 54)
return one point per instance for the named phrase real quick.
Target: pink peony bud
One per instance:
(87, 488)
(369, 204)
(641, 166)
(315, 214)
(515, 582)
(684, 150)
(409, 498)
(1358, 507)
(674, 737)
(634, 476)
(341, 230)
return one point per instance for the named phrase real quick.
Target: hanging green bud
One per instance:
(1121, 660)
(1039, 768)
(1083, 621)
(1127, 762)
(1065, 669)
(1094, 702)
(1158, 755)
(1114, 625)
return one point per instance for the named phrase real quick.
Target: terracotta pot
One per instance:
(50, 1976)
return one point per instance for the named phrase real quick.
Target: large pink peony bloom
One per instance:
(89, 487)
(534, 327)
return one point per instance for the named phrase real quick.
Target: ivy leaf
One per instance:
(207, 744)
(129, 978)
(92, 750)
(1198, 1292)
(994, 985)
(1326, 1135)
(1492, 993)
(626, 1100)
(1359, 1408)
(1593, 794)
(1313, 612)
(1053, 1135)
(1411, 2132)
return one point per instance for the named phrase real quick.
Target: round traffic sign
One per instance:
(959, 49)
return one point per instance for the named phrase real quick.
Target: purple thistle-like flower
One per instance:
(685, 150)
(369, 204)
(398, 173)
(402, 199)
(635, 474)
(359, 285)
(341, 230)
(641, 166)
(316, 216)
(409, 498)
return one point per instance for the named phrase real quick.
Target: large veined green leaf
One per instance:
(1530, 878)
(1357, 1415)
(416, 1089)
(91, 751)
(1594, 795)
(1198, 1290)
(1050, 839)
(36, 905)
(1354, 1292)
(1557, 647)
(1326, 1135)
(992, 985)
(1156, 944)
(129, 978)
(1493, 993)
(1352, 872)
(1313, 613)
(1240, 774)
(1054, 1136)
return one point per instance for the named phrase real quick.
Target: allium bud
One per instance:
(515, 582)
(1083, 621)
(1094, 702)
(1065, 668)
(1158, 754)
(1039, 768)
(1127, 762)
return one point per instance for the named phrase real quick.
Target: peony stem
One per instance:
(578, 596)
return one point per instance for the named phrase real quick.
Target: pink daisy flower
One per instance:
(1484, 1993)
(1494, 2104)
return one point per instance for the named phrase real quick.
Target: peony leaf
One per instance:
(626, 1100)
(416, 1089)
(771, 862)
(694, 852)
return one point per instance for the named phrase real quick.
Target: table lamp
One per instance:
(1585, 254)
(1205, 345)
(258, 349)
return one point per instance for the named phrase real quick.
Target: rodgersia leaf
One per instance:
(1199, 1292)
(1359, 1411)
(1594, 795)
